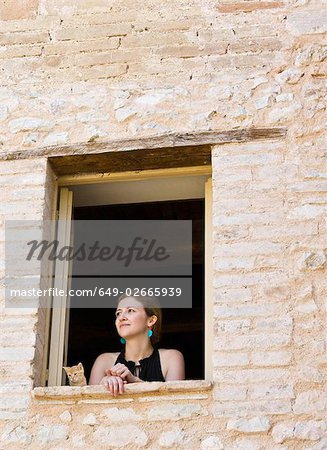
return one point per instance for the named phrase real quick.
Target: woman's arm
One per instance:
(175, 365)
(99, 367)
(122, 371)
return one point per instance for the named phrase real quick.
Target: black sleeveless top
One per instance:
(149, 368)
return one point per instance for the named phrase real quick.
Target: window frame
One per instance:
(55, 331)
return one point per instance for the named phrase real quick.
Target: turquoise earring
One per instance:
(150, 333)
(123, 341)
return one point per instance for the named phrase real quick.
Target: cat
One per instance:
(76, 375)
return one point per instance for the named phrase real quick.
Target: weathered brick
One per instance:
(278, 358)
(282, 431)
(301, 23)
(119, 436)
(176, 397)
(90, 419)
(68, 8)
(309, 186)
(311, 430)
(86, 32)
(306, 212)
(211, 442)
(28, 123)
(272, 391)
(64, 48)
(188, 23)
(103, 71)
(287, 230)
(14, 433)
(241, 326)
(178, 411)
(255, 45)
(23, 38)
(10, 11)
(284, 322)
(249, 160)
(14, 402)
(182, 51)
(50, 433)
(120, 414)
(250, 278)
(36, 23)
(252, 375)
(250, 30)
(222, 359)
(230, 234)
(151, 39)
(172, 438)
(12, 415)
(253, 425)
(246, 310)
(256, 342)
(310, 401)
(19, 51)
(216, 63)
(22, 370)
(229, 175)
(226, 391)
(248, 6)
(232, 295)
(223, 264)
(7, 354)
(247, 248)
(264, 218)
(18, 337)
(246, 408)
(86, 59)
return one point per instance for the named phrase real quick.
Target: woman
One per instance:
(138, 323)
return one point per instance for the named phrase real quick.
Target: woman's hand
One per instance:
(122, 371)
(114, 384)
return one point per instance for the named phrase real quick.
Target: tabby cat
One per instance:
(76, 375)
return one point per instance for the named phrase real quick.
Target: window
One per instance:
(82, 334)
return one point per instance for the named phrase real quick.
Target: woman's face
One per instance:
(131, 318)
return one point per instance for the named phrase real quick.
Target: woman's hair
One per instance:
(152, 307)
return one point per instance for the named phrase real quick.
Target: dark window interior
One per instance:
(92, 331)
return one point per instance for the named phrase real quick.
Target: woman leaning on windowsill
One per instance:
(138, 323)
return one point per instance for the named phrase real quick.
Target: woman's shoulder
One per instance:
(170, 353)
(107, 357)
(172, 364)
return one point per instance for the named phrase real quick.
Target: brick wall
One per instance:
(270, 312)
(76, 72)
(22, 193)
(83, 71)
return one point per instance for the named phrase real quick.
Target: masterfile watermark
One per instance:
(139, 249)
(94, 262)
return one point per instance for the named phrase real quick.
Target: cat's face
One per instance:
(75, 374)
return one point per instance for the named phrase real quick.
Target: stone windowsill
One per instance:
(100, 392)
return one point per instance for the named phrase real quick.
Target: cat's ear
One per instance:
(80, 365)
(65, 369)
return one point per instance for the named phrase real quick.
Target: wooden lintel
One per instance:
(154, 142)
(133, 160)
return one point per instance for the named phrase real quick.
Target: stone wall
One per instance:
(86, 71)
(270, 296)
(77, 72)
(22, 193)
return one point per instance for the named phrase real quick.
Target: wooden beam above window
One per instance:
(135, 160)
(168, 140)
